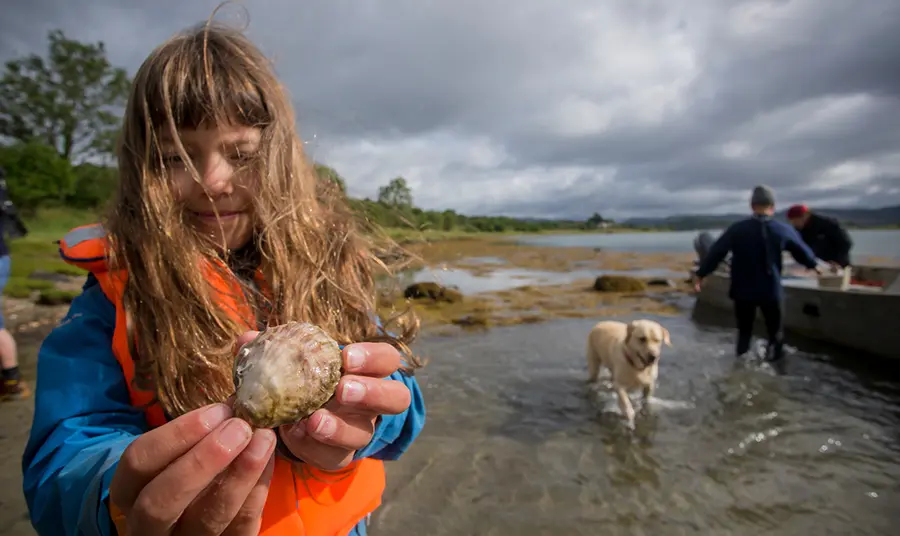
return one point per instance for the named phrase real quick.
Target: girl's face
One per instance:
(222, 157)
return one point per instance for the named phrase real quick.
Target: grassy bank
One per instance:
(38, 255)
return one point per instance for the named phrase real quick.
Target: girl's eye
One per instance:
(173, 160)
(239, 157)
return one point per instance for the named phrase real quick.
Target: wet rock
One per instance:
(473, 321)
(433, 292)
(661, 283)
(391, 255)
(618, 283)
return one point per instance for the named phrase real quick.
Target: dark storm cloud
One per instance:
(625, 107)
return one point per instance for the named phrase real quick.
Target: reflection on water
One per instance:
(469, 282)
(517, 444)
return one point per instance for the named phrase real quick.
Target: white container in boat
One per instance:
(840, 281)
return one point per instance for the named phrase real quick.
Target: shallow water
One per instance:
(498, 279)
(866, 242)
(517, 444)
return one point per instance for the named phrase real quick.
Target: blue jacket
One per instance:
(83, 420)
(756, 245)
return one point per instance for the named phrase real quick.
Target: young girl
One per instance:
(219, 228)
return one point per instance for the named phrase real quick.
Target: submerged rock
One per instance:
(285, 374)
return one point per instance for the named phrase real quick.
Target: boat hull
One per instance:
(864, 318)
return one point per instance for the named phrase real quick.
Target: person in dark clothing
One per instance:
(823, 234)
(756, 245)
(11, 384)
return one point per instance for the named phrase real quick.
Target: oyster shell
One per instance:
(285, 374)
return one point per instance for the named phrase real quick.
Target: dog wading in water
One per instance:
(631, 352)
(219, 228)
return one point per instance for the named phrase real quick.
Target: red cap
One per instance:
(796, 211)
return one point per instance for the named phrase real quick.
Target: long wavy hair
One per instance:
(318, 263)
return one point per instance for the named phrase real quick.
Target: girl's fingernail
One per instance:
(298, 431)
(353, 392)
(356, 357)
(259, 445)
(235, 434)
(215, 415)
(326, 427)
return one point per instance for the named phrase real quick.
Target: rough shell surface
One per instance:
(285, 374)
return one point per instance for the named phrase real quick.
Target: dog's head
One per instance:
(644, 341)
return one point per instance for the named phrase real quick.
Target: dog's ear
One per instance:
(629, 333)
(666, 340)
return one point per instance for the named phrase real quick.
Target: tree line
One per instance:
(59, 117)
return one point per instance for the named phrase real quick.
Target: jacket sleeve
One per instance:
(394, 434)
(717, 253)
(798, 249)
(83, 420)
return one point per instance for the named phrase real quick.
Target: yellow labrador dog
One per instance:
(631, 352)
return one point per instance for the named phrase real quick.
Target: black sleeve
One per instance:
(9, 213)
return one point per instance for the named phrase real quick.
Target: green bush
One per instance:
(36, 175)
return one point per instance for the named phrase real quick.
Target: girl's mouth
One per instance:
(223, 215)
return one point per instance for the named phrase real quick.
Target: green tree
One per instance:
(94, 185)
(70, 101)
(329, 174)
(396, 194)
(36, 175)
(595, 220)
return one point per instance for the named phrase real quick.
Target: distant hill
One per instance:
(850, 217)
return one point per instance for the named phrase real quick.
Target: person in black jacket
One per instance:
(756, 245)
(11, 385)
(823, 234)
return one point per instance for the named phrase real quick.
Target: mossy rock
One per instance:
(23, 287)
(433, 292)
(55, 296)
(619, 283)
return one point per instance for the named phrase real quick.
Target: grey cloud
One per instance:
(390, 71)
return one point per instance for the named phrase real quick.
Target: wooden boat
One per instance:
(861, 314)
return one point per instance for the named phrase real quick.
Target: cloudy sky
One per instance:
(561, 108)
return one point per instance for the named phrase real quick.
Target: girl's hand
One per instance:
(330, 437)
(204, 473)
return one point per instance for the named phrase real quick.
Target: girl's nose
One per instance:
(217, 174)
